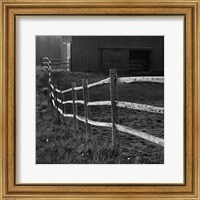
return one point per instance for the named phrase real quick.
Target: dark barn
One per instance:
(100, 53)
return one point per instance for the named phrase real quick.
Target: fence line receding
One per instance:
(57, 97)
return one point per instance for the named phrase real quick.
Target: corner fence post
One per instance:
(74, 107)
(114, 109)
(85, 99)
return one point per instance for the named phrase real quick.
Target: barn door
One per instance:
(116, 58)
(139, 60)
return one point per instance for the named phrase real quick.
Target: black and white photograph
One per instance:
(99, 99)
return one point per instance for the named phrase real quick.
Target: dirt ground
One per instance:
(57, 143)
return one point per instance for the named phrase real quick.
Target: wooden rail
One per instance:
(141, 79)
(119, 127)
(129, 105)
(121, 104)
(141, 107)
(120, 80)
(59, 102)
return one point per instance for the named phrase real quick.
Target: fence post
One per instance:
(61, 104)
(85, 98)
(74, 107)
(54, 96)
(89, 108)
(114, 109)
(56, 103)
(49, 95)
(63, 107)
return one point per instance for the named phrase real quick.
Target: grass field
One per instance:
(57, 143)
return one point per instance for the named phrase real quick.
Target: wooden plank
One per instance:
(68, 90)
(81, 118)
(53, 102)
(79, 101)
(85, 98)
(55, 98)
(49, 77)
(142, 107)
(70, 102)
(101, 124)
(45, 68)
(78, 88)
(140, 134)
(59, 111)
(125, 129)
(46, 58)
(120, 80)
(51, 86)
(57, 90)
(46, 64)
(114, 108)
(156, 79)
(99, 83)
(68, 115)
(52, 94)
(74, 107)
(129, 105)
(95, 123)
(58, 100)
(99, 103)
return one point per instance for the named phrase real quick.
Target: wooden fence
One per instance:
(113, 80)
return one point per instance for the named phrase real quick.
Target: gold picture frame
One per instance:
(10, 9)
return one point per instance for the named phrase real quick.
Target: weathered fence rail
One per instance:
(57, 97)
(141, 79)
